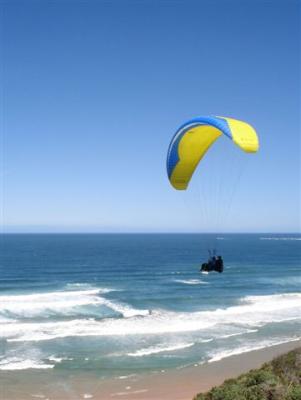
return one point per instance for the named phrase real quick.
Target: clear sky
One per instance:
(94, 91)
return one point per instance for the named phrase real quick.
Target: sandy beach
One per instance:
(180, 384)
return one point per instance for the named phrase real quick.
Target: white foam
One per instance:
(31, 305)
(219, 355)
(238, 333)
(7, 320)
(159, 349)
(280, 238)
(126, 376)
(253, 311)
(59, 359)
(55, 359)
(62, 303)
(126, 310)
(14, 363)
(77, 285)
(129, 393)
(191, 281)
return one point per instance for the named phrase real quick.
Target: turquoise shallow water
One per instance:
(123, 304)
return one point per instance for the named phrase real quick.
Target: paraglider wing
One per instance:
(194, 138)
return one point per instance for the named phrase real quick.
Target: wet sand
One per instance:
(179, 384)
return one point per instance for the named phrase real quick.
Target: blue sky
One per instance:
(94, 91)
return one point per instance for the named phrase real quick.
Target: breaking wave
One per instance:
(62, 303)
(252, 311)
(15, 363)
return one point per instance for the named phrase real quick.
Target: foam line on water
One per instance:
(224, 353)
(280, 238)
(191, 281)
(15, 363)
(61, 303)
(160, 349)
(59, 359)
(140, 391)
(125, 310)
(30, 305)
(252, 311)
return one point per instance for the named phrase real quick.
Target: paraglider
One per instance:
(215, 263)
(192, 141)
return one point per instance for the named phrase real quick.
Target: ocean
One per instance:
(123, 304)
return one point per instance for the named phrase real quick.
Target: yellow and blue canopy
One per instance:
(192, 140)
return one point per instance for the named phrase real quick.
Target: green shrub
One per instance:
(277, 380)
(294, 393)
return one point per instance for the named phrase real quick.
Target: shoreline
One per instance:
(186, 383)
(178, 384)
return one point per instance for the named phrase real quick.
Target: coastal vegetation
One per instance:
(279, 379)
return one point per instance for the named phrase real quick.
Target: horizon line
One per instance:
(152, 233)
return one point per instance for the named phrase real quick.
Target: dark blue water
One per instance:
(127, 303)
